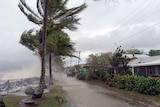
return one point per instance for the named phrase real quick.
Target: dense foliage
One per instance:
(148, 86)
(99, 61)
(154, 52)
(94, 75)
(119, 61)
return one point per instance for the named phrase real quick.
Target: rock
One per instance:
(27, 102)
(29, 91)
(38, 92)
(59, 99)
(35, 96)
(2, 102)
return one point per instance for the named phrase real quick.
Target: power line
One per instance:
(134, 12)
(151, 12)
(148, 14)
(133, 35)
(131, 13)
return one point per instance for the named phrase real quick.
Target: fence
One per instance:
(17, 87)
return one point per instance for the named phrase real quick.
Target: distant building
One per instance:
(147, 66)
(116, 70)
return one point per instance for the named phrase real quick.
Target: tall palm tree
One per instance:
(59, 17)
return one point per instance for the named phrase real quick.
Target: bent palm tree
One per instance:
(59, 17)
(59, 44)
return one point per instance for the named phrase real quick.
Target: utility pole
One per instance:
(71, 62)
(79, 52)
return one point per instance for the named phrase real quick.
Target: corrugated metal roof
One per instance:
(154, 60)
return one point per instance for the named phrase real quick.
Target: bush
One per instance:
(148, 86)
(81, 75)
(108, 77)
(90, 75)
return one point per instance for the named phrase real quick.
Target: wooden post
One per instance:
(79, 57)
(8, 87)
(146, 69)
(21, 84)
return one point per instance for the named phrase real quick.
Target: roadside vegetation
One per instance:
(148, 86)
(56, 97)
(12, 101)
(112, 70)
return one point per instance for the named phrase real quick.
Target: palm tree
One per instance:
(59, 17)
(59, 44)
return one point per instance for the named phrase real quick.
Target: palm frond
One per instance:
(34, 19)
(30, 41)
(29, 9)
(39, 8)
(22, 9)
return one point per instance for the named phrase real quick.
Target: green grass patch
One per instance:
(12, 101)
(47, 100)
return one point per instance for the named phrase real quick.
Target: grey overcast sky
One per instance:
(104, 25)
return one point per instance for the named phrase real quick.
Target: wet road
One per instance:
(89, 95)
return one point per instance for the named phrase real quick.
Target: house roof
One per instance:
(136, 55)
(147, 61)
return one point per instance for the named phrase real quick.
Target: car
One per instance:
(69, 73)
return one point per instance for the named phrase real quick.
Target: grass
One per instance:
(12, 101)
(47, 100)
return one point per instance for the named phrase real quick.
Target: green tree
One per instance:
(100, 61)
(118, 61)
(98, 65)
(59, 17)
(154, 52)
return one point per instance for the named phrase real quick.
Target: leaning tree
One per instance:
(59, 17)
(59, 43)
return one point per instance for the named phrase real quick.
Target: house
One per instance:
(135, 56)
(147, 66)
(117, 70)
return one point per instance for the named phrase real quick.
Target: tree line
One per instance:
(117, 60)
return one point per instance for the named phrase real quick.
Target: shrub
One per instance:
(148, 86)
(107, 77)
(81, 75)
(89, 75)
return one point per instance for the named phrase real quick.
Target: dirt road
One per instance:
(83, 94)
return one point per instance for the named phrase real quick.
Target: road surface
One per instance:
(82, 94)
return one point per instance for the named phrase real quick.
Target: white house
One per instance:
(147, 66)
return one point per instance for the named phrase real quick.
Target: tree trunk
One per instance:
(50, 69)
(42, 78)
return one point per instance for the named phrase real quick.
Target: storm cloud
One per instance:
(104, 26)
